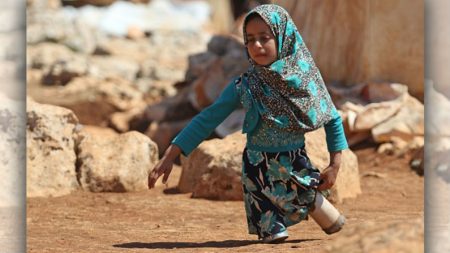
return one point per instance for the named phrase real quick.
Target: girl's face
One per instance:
(261, 43)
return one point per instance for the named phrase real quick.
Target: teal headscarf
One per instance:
(290, 93)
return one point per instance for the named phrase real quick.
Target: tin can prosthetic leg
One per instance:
(326, 215)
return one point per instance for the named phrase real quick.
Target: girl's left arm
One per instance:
(336, 142)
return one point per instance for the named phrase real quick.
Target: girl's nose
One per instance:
(258, 44)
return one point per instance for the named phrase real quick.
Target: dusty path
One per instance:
(163, 221)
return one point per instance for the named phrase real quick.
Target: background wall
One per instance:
(356, 41)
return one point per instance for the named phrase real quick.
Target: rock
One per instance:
(171, 109)
(227, 61)
(155, 91)
(58, 63)
(111, 66)
(375, 237)
(120, 120)
(97, 131)
(353, 56)
(12, 148)
(347, 183)
(45, 55)
(62, 72)
(51, 134)
(376, 112)
(163, 133)
(406, 124)
(198, 64)
(84, 93)
(121, 163)
(385, 113)
(139, 50)
(57, 26)
(212, 173)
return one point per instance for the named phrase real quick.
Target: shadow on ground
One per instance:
(186, 245)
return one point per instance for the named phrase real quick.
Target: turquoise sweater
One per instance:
(260, 136)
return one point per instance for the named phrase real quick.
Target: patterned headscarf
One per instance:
(290, 93)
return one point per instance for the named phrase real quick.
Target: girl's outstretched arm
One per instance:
(195, 132)
(336, 142)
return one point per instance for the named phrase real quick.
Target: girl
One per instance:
(284, 97)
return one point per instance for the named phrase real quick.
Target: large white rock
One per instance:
(406, 124)
(51, 133)
(214, 169)
(347, 183)
(115, 163)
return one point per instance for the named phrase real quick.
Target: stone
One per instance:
(375, 113)
(173, 108)
(155, 91)
(120, 121)
(113, 66)
(212, 173)
(47, 54)
(54, 25)
(62, 72)
(138, 50)
(347, 184)
(212, 72)
(406, 124)
(350, 54)
(51, 134)
(83, 94)
(115, 163)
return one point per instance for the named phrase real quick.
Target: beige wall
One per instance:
(364, 40)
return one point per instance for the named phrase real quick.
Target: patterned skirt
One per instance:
(278, 188)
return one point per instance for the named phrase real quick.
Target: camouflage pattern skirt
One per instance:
(278, 189)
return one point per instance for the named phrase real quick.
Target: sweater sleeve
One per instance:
(335, 135)
(202, 125)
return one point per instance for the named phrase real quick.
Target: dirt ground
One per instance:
(162, 220)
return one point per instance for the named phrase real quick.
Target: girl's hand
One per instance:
(164, 166)
(329, 174)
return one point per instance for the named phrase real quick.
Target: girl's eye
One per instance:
(265, 39)
(251, 40)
